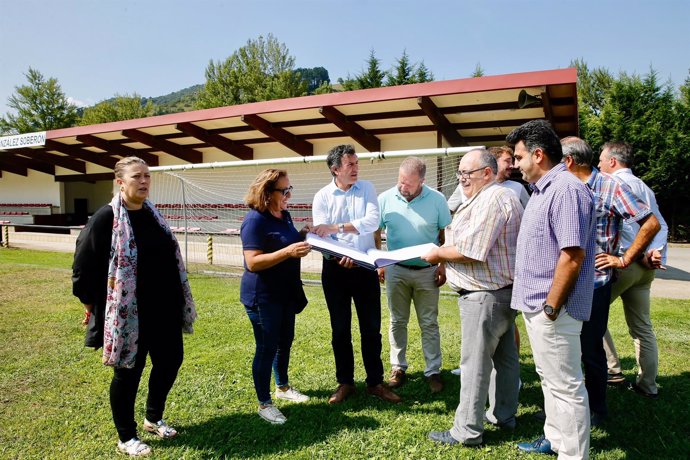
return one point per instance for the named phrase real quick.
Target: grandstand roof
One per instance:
(470, 111)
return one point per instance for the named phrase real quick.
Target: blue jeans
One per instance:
(593, 355)
(274, 330)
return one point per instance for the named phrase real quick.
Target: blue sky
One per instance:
(97, 48)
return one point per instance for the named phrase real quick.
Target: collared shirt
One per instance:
(358, 206)
(560, 214)
(408, 223)
(629, 230)
(485, 228)
(518, 189)
(615, 204)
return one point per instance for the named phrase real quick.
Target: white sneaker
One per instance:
(134, 448)
(160, 428)
(291, 394)
(271, 414)
(455, 371)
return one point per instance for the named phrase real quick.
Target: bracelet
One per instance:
(622, 261)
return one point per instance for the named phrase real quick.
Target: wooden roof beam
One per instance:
(176, 150)
(57, 160)
(441, 122)
(14, 169)
(100, 159)
(352, 129)
(117, 149)
(91, 178)
(229, 146)
(36, 165)
(280, 135)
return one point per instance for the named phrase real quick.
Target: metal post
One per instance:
(209, 249)
(6, 239)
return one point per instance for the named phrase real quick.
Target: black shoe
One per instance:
(641, 392)
(443, 437)
(541, 445)
(615, 379)
(597, 420)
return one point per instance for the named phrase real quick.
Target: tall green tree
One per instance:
(654, 119)
(314, 77)
(478, 71)
(261, 70)
(402, 73)
(372, 77)
(593, 87)
(121, 107)
(41, 105)
(423, 74)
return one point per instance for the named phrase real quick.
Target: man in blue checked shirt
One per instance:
(616, 204)
(554, 283)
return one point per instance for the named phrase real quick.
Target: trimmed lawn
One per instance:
(54, 392)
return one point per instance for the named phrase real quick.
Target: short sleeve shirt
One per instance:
(560, 214)
(408, 223)
(281, 283)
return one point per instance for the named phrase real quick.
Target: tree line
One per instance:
(653, 116)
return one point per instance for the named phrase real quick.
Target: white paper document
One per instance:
(373, 258)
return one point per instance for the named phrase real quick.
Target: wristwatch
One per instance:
(341, 228)
(550, 311)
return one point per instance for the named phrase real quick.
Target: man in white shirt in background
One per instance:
(634, 282)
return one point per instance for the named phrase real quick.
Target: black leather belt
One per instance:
(465, 291)
(413, 267)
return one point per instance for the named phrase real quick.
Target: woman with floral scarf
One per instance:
(129, 274)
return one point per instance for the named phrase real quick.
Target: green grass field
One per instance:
(54, 392)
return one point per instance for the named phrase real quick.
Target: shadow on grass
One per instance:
(247, 435)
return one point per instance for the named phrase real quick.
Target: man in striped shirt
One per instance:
(480, 256)
(554, 282)
(615, 204)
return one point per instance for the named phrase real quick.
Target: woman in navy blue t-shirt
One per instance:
(271, 289)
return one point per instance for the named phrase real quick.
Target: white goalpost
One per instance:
(204, 203)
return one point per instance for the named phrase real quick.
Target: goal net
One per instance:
(204, 203)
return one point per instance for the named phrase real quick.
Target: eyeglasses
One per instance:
(466, 174)
(284, 191)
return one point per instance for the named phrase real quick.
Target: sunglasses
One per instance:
(284, 191)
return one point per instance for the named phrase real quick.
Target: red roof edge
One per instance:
(434, 88)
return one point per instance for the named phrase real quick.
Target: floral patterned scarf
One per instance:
(121, 329)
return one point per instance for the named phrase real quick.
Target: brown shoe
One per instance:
(435, 383)
(397, 378)
(381, 391)
(344, 391)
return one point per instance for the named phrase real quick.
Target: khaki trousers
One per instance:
(633, 287)
(556, 352)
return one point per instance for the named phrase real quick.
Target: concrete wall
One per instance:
(36, 187)
(97, 194)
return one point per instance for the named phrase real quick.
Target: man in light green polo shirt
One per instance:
(412, 213)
